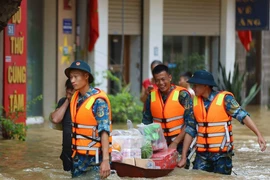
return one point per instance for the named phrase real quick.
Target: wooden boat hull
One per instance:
(126, 170)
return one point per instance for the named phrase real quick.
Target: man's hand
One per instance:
(105, 169)
(262, 143)
(182, 162)
(149, 89)
(173, 145)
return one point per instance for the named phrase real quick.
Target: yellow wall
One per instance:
(65, 42)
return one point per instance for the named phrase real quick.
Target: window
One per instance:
(183, 53)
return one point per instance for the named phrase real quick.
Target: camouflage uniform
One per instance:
(83, 164)
(216, 162)
(184, 99)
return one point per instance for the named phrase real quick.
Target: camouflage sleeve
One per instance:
(186, 101)
(101, 112)
(234, 109)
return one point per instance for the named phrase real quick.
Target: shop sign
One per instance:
(15, 55)
(252, 15)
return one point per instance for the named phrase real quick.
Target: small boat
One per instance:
(126, 170)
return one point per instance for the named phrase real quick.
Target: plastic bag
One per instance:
(116, 156)
(127, 142)
(154, 133)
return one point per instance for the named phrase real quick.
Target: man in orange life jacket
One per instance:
(169, 105)
(91, 124)
(212, 129)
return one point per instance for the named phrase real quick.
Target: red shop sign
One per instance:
(15, 58)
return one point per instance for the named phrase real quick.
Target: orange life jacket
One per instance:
(169, 114)
(85, 137)
(214, 126)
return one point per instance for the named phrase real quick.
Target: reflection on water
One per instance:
(38, 157)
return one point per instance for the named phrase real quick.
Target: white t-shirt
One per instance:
(191, 91)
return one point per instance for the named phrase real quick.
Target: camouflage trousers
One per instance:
(83, 166)
(214, 162)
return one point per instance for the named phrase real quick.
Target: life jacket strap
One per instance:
(206, 135)
(73, 154)
(212, 145)
(88, 149)
(209, 124)
(192, 148)
(193, 143)
(191, 153)
(168, 119)
(76, 125)
(81, 136)
(167, 130)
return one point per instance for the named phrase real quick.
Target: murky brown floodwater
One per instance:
(38, 157)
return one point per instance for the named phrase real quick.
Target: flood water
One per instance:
(38, 157)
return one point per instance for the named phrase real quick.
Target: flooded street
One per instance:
(38, 157)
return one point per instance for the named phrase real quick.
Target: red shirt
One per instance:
(148, 82)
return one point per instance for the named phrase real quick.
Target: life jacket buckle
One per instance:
(205, 124)
(163, 120)
(73, 147)
(73, 135)
(166, 130)
(205, 135)
(75, 125)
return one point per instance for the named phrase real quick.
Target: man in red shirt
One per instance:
(149, 84)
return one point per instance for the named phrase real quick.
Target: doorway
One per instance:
(253, 65)
(117, 66)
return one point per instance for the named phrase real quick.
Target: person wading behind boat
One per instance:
(91, 124)
(169, 105)
(62, 115)
(183, 82)
(213, 113)
(149, 83)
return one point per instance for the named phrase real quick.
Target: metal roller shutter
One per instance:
(132, 17)
(192, 17)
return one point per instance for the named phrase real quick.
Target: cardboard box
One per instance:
(145, 163)
(130, 161)
(142, 163)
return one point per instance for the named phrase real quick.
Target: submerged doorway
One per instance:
(118, 66)
(253, 65)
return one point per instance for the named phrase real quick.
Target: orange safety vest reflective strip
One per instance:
(85, 137)
(169, 114)
(214, 126)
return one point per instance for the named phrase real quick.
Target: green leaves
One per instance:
(123, 104)
(252, 93)
(192, 63)
(10, 128)
(235, 84)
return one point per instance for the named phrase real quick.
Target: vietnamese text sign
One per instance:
(15, 50)
(252, 14)
(67, 26)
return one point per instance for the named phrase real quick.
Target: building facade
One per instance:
(146, 29)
